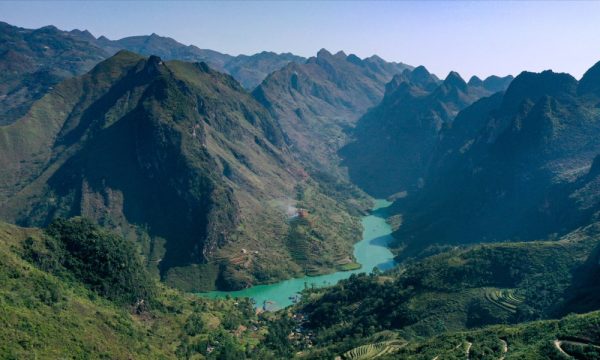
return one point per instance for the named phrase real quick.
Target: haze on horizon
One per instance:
(473, 38)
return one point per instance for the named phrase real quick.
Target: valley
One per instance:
(370, 252)
(161, 200)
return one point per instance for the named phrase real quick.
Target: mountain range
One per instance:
(180, 159)
(134, 170)
(319, 101)
(516, 165)
(33, 61)
(392, 142)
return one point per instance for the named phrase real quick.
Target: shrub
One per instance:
(104, 262)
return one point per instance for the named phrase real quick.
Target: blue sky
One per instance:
(480, 38)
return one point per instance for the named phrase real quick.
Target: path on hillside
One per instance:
(558, 344)
(504, 348)
(456, 347)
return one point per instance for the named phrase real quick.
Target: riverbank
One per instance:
(372, 251)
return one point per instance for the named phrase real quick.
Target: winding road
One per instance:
(468, 351)
(504, 348)
(558, 345)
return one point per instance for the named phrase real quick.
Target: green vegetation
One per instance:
(34, 61)
(144, 170)
(535, 340)
(515, 166)
(373, 351)
(505, 299)
(316, 102)
(452, 292)
(350, 266)
(104, 262)
(249, 70)
(403, 129)
(321, 237)
(97, 145)
(56, 302)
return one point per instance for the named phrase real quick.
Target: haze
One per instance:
(473, 38)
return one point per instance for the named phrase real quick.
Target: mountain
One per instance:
(512, 166)
(463, 295)
(393, 142)
(76, 290)
(181, 160)
(32, 61)
(318, 101)
(249, 70)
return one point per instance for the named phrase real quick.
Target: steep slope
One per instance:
(318, 101)
(393, 142)
(32, 61)
(179, 158)
(512, 166)
(61, 297)
(452, 294)
(249, 70)
(166, 48)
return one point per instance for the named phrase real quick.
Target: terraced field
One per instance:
(505, 299)
(373, 351)
(297, 242)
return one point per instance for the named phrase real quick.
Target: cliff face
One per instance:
(511, 166)
(318, 101)
(33, 61)
(392, 144)
(173, 154)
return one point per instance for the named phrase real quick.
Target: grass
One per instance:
(47, 316)
(505, 299)
(70, 155)
(532, 340)
(350, 266)
(373, 351)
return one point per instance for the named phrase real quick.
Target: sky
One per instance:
(474, 38)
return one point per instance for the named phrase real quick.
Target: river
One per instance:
(372, 251)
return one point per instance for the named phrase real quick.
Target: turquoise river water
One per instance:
(372, 251)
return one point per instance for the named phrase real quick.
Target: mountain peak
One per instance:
(48, 29)
(590, 82)
(529, 85)
(422, 77)
(395, 83)
(495, 83)
(85, 34)
(323, 53)
(421, 72)
(153, 65)
(475, 81)
(376, 58)
(456, 81)
(340, 54)
(354, 59)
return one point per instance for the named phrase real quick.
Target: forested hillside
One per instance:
(180, 159)
(512, 166)
(393, 142)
